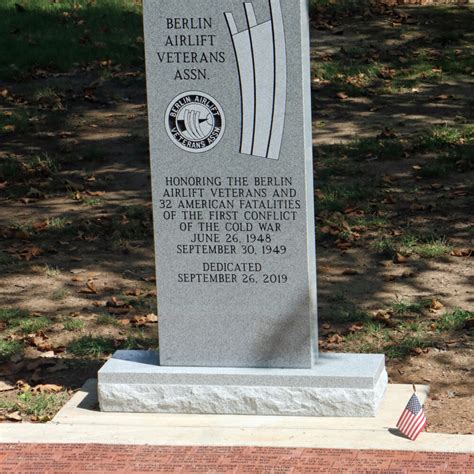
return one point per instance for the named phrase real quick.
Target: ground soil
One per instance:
(100, 141)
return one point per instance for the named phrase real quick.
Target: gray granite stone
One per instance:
(228, 87)
(338, 385)
(231, 160)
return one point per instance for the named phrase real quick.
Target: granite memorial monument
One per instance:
(229, 107)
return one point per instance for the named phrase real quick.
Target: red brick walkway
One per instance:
(99, 458)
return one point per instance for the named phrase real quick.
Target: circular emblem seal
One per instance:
(195, 121)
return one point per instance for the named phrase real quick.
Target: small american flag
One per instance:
(413, 419)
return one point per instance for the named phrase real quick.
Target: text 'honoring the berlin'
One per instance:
(241, 217)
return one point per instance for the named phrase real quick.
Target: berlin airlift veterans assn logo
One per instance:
(195, 122)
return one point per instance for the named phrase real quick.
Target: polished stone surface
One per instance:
(234, 218)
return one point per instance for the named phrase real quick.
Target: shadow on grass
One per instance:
(58, 36)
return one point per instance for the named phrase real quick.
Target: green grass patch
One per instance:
(62, 35)
(93, 202)
(349, 73)
(90, 346)
(12, 316)
(425, 246)
(57, 223)
(453, 320)
(131, 223)
(358, 150)
(73, 324)
(48, 98)
(337, 197)
(139, 342)
(51, 271)
(21, 320)
(412, 327)
(105, 319)
(404, 307)
(60, 294)
(32, 325)
(43, 406)
(446, 136)
(16, 171)
(433, 248)
(404, 347)
(351, 315)
(8, 349)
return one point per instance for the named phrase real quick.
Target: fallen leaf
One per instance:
(134, 292)
(462, 252)
(41, 342)
(89, 289)
(6, 386)
(335, 339)
(15, 416)
(119, 309)
(48, 354)
(138, 321)
(152, 318)
(436, 304)
(443, 97)
(47, 388)
(342, 95)
(356, 327)
(75, 271)
(319, 194)
(387, 133)
(40, 225)
(350, 271)
(399, 258)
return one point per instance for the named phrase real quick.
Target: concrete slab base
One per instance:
(338, 385)
(80, 421)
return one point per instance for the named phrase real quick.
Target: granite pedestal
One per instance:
(337, 385)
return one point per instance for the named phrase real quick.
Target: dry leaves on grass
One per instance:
(435, 305)
(462, 252)
(139, 321)
(25, 252)
(90, 288)
(399, 258)
(47, 388)
(40, 341)
(115, 306)
(335, 339)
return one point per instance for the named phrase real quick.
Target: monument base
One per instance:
(338, 385)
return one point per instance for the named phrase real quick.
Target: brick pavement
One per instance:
(130, 459)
